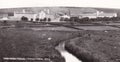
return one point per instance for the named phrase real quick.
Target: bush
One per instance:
(31, 19)
(45, 19)
(74, 19)
(5, 22)
(66, 19)
(37, 19)
(49, 19)
(23, 18)
(61, 19)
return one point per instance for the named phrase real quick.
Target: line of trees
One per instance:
(86, 19)
(23, 18)
(42, 20)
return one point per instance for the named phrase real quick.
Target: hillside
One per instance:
(68, 10)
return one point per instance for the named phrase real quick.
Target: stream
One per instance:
(68, 56)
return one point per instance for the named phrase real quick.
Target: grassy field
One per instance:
(30, 43)
(96, 46)
(93, 44)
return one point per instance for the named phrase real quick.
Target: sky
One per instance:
(69, 3)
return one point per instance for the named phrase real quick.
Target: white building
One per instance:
(27, 13)
(103, 14)
(65, 16)
(31, 14)
(98, 14)
(40, 15)
(43, 14)
(90, 13)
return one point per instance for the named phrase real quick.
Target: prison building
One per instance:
(90, 13)
(20, 13)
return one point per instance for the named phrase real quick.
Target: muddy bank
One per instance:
(100, 46)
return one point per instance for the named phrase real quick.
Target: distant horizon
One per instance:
(60, 3)
(55, 6)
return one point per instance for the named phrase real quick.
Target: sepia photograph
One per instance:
(59, 31)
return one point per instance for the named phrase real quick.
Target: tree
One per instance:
(37, 19)
(74, 19)
(61, 19)
(31, 19)
(23, 18)
(45, 19)
(49, 19)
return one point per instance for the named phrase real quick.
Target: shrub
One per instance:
(49, 19)
(23, 18)
(37, 19)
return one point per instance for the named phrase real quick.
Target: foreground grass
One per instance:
(96, 46)
(29, 43)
